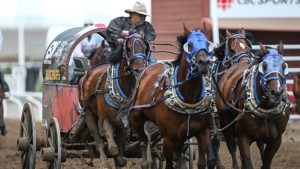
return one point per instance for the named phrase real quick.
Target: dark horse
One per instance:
(296, 92)
(100, 55)
(251, 105)
(2, 124)
(236, 48)
(174, 95)
(106, 91)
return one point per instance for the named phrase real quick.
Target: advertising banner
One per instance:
(258, 8)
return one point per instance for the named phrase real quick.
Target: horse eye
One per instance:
(265, 65)
(190, 45)
(283, 65)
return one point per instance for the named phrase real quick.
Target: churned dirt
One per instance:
(287, 157)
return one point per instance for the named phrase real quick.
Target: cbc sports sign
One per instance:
(258, 8)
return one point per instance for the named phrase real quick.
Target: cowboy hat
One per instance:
(138, 7)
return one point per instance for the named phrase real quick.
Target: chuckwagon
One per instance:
(61, 115)
(66, 133)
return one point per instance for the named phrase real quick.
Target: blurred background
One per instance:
(29, 26)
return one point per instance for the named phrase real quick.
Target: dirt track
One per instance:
(288, 156)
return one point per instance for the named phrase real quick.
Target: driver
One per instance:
(119, 27)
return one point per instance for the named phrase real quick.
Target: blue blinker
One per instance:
(199, 42)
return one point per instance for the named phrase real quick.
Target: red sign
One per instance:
(224, 4)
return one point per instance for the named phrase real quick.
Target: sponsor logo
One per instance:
(224, 4)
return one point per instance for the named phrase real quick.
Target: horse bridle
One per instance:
(266, 77)
(195, 36)
(235, 58)
(138, 39)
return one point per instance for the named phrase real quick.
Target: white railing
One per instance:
(286, 47)
(16, 101)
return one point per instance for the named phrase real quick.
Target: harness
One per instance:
(175, 100)
(252, 101)
(115, 97)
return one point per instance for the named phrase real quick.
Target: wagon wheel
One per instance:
(27, 138)
(53, 152)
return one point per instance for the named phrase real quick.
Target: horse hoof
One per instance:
(113, 150)
(120, 161)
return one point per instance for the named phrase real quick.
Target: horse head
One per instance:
(196, 51)
(101, 54)
(237, 48)
(136, 51)
(273, 70)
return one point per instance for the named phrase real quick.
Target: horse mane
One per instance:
(181, 39)
(219, 50)
(116, 55)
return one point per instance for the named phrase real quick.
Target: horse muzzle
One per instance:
(275, 96)
(203, 66)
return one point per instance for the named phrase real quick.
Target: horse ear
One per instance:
(103, 44)
(186, 30)
(280, 48)
(262, 67)
(263, 49)
(285, 68)
(204, 27)
(228, 34)
(243, 32)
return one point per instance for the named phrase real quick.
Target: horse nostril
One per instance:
(273, 92)
(281, 92)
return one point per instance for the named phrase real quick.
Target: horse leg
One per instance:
(137, 123)
(216, 146)
(269, 153)
(261, 147)
(201, 151)
(180, 161)
(92, 126)
(231, 146)
(120, 160)
(205, 147)
(168, 150)
(244, 147)
(109, 135)
(2, 124)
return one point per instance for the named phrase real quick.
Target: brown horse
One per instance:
(251, 105)
(175, 96)
(2, 124)
(106, 91)
(100, 55)
(236, 48)
(296, 92)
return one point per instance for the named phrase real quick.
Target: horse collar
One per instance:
(252, 101)
(176, 102)
(115, 96)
